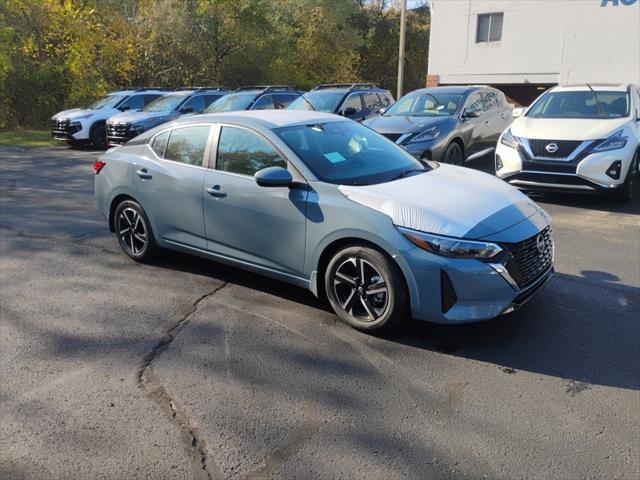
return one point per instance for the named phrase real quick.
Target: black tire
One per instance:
(453, 154)
(366, 289)
(134, 232)
(625, 193)
(99, 136)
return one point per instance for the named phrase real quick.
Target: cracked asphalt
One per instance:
(189, 369)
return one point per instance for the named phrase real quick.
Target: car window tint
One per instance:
(150, 98)
(209, 99)
(264, 103)
(283, 100)
(385, 100)
(352, 102)
(160, 142)
(135, 102)
(490, 101)
(245, 152)
(196, 102)
(371, 101)
(187, 145)
(474, 103)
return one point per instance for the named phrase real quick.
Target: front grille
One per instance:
(392, 136)
(63, 128)
(565, 147)
(550, 166)
(118, 133)
(530, 258)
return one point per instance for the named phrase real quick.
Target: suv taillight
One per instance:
(98, 165)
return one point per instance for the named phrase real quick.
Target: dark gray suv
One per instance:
(446, 124)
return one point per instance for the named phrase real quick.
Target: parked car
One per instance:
(326, 203)
(261, 97)
(357, 101)
(447, 124)
(80, 126)
(577, 138)
(123, 127)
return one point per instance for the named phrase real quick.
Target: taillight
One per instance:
(98, 165)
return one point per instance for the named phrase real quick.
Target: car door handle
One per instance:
(142, 173)
(216, 192)
(487, 122)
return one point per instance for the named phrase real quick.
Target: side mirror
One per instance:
(186, 110)
(349, 111)
(517, 112)
(124, 108)
(274, 177)
(470, 114)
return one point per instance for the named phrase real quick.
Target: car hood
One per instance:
(453, 201)
(566, 128)
(73, 113)
(401, 124)
(133, 117)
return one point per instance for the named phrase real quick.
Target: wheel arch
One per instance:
(117, 200)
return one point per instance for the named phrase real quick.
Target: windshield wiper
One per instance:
(407, 172)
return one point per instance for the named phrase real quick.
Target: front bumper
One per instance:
(65, 130)
(584, 173)
(430, 150)
(451, 291)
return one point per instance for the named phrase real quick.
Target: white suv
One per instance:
(575, 138)
(88, 125)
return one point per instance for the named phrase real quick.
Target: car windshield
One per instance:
(110, 101)
(581, 104)
(347, 153)
(231, 102)
(422, 104)
(320, 101)
(168, 103)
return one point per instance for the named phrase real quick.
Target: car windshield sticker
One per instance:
(334, 157)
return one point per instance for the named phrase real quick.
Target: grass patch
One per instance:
(26, 138)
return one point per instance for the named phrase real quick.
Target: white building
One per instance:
(525, 46)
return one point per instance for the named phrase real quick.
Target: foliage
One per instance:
(57, 54)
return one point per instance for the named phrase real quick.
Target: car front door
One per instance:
(473, 125)
(263, 226)
(494, 119)
(169, 178)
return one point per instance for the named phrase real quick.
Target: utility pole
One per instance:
(403, 12)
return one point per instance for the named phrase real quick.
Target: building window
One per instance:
(489, 27)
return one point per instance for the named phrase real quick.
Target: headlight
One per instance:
(508, 139)
(429, 134)
(614, 142)
(451, 247)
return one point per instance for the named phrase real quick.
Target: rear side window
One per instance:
(474, 103)
(160, 143)
(187, 145)
(245, 152)
(385, 99)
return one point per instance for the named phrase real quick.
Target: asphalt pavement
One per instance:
(186, 368)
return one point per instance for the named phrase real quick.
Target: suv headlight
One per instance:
(430, 133)
(508, 139)
(451, 247)
(614, 142)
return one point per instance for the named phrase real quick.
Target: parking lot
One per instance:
(190, 369)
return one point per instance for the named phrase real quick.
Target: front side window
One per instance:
(135, 102)
(245, 152)
(474, 104)
(110, 101)
(352, 105)
(265, 102)
(168, 103)
(423, 104)
(232, 102)
(371, 101)
(209, 99)
(385, 99)
(348, 153)
(489, 27)
(283, 100)
(150, 98)
(187, 144)
(195, 103)
(581, 104)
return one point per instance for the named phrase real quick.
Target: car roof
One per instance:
(267, 118)
(141, 91)
(459, 89)
(348, 90)
(609, 87)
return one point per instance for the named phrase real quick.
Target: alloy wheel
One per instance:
(360, 289)
(132, 231)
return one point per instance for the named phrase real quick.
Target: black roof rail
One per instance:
(350, 86)
(267, 88)
(145, 89)
(199, 89)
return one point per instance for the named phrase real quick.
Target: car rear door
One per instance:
(169, 178)
(263, 226)
(494, 119)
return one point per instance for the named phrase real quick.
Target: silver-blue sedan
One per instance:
(325, 203)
